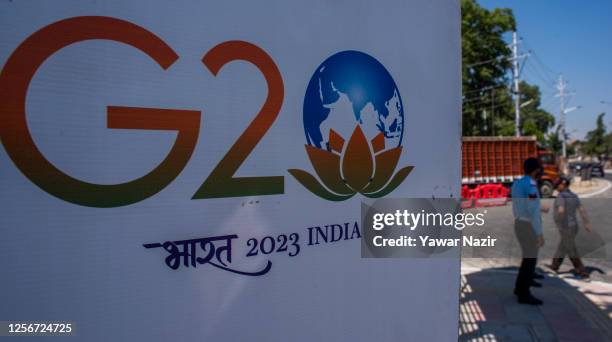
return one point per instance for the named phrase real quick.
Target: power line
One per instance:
(537, 69)
(537, 58)
(498, 96)
(549, 101)
(484, 88)
(485, 62)
(498, 58)
(488, 106)
(543, 66)
(547, 78)
(535, 73)
(541, 70)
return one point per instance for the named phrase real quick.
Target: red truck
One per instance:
(499, 160)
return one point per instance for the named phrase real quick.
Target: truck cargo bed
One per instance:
(495, 159)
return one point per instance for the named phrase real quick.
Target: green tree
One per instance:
(609, 144)
(553, 141)
(530, 128)
(596, 143)
(534, 120)
(485, 57)
(488, 106)
(570, 149)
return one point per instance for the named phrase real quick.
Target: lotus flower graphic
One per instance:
(352, 89)
(357, 167)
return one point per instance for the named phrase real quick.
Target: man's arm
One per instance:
(518, 199)
(536, 223)
(536, 219)
(585, 218)
(558, 210)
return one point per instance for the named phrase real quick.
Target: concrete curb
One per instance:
(597, 192)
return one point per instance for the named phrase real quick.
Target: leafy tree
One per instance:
(530, 128)
(505, 126)
(609, 144)
(488, 106)
(570, 149)
(534, 120)
(595, 141)
(553, 141)
(485, 60)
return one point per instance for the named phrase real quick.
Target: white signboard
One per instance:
(193, 170)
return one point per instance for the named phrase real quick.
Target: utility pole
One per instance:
(561, 87)
(515, 74)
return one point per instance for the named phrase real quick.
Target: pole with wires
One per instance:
(515, 74)
(561, 87)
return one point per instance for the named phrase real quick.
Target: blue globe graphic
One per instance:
(351, 88)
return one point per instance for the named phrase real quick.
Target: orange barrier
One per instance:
(484, 195)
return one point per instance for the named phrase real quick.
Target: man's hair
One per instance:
(530, 165)
(562, 180)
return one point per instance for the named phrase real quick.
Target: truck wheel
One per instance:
(546, 189)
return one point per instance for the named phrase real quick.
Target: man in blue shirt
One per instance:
(528, 228)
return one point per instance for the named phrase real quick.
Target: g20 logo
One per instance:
(352, 89)
(360, 171)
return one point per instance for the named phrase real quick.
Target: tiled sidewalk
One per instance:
(573, 310)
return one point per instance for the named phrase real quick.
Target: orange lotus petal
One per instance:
(336, 142)
(385, 165)
(327, 166)
(393, 184)
(357, 163)
(311, 183)
(378, 143)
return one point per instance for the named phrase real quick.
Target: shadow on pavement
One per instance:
(573, 310)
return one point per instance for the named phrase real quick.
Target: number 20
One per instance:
(29, 56)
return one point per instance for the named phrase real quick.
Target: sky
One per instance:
(573, 38)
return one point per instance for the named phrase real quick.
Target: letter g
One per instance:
(15, 79)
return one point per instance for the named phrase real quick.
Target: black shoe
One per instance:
(583, 276)
(529, 299)
(535, 284)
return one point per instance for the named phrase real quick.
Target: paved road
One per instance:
(574, 310)
(603, 203)
(500, 225)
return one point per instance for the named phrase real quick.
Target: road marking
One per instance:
(598, 192)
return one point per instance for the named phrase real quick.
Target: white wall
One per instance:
(62, 261)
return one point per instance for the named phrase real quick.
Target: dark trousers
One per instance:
(529, 249)
(567, 247)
